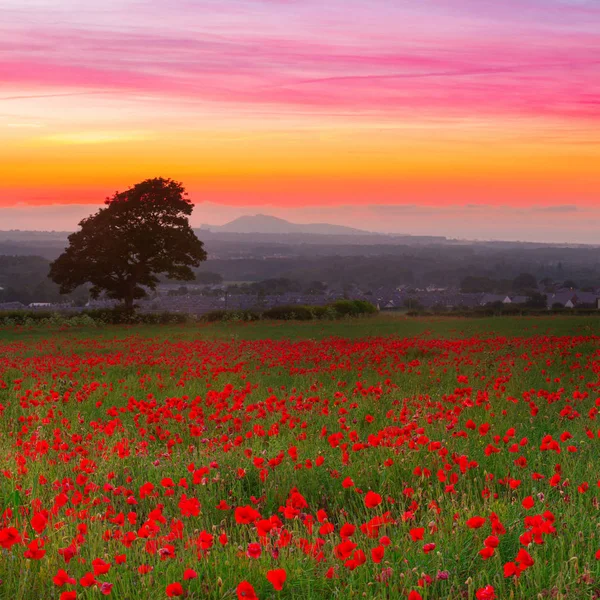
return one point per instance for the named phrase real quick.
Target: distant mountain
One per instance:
(275, 225)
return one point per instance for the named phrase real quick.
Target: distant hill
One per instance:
(275, 225)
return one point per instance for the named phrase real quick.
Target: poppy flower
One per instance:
(245, 591)
(174, 589)
(105, 588)
(475, 522)
(485, 593)
(88, 580)
(9, 536)
(277, 578)
(245, 515)
(344, 549)
(100, 567)
(372, 499)
(377, 554)
(254, 550)
(62, 578)
(528, 502)
(39, 521)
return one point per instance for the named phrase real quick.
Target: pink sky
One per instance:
(465, 117)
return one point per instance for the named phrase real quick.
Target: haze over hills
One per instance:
(275, 225)
(250, 230)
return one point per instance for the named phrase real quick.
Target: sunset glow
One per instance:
(401, 113)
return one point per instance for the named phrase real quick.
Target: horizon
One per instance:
(210, 227)
(466, 119)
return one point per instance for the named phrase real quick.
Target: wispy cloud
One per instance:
(432, 68)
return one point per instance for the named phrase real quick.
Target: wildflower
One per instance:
(277, 578)
(245, 591)
(372, 499)
(174, 589)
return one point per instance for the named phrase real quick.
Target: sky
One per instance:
(468, 118)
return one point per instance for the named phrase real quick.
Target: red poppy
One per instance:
(39, 521)
(372, 499)
(246, 515)
(475, 522)
(174, 589)
(62, 578)
(254, 550)
(8, 537)
(377, 554)
(245, 591)
(100, 567)
(485, 593)
(277, 578)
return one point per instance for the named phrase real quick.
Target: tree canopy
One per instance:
(120, 250)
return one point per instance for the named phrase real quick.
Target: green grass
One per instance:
(127, 398)
(380, 325)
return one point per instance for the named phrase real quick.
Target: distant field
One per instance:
(377, 458)
(380, 325)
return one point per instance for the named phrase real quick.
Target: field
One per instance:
(378, 458)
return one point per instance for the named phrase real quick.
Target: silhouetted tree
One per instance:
(536, 300)
(523, 282)
(121, 249)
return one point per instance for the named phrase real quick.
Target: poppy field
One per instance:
(137, 464)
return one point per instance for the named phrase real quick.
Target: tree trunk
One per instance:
(129, 297)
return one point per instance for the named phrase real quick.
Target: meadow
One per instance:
(383, 457)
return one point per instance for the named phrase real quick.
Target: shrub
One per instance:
(214, 315)
(289, 313)
(364, 308)
(345, 307)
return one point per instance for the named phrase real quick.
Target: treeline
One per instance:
(511, 310)
(493, 268)
(117, 316)
(336, 310)
(470, 267)
(24, 279)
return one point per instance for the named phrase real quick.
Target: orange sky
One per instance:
(380, 109)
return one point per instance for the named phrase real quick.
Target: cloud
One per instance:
(244, 53)
(561, 208)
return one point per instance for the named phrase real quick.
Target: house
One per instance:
(572, 299)
(560, 299)
(494, 298)
(11, 306)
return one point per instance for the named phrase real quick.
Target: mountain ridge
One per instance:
(274, 225)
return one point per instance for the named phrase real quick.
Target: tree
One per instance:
(121, 249)
(473, 284)
(536, 300)
(523, 282)
(208, 278)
